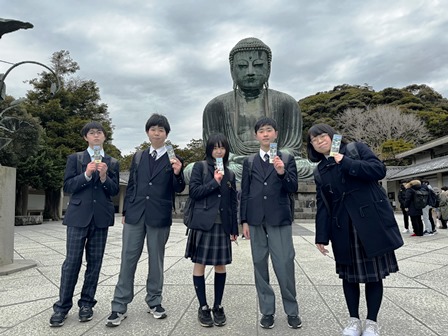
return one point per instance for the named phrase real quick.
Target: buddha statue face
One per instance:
(250, 69)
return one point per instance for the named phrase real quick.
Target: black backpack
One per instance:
(291, 196)
(433, 199)
(420, 198)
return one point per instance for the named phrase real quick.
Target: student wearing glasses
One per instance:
(354, 213)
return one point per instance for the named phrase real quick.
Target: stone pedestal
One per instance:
(7, 208)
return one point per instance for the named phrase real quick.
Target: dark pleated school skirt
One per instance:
(209, 247)
(364, 269)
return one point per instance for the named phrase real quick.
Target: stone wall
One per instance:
(7, 208)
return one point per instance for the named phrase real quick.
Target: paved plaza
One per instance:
(415, 299)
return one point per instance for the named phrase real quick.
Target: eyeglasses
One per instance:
(319, 138)
(95, 132)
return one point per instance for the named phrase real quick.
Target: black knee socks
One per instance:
(199, 286)
(220, 282)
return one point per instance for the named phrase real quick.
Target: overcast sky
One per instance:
(171, 56)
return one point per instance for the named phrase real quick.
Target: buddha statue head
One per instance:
(250, 64)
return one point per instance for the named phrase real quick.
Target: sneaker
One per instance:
(57, 319)
(85, 314)
(405, 231)
(426, 233)
(414, 235)
(115, 318)
(371, 329)
(205, 316)
(353, 328)
(219, 318)
(158, 312)
(294, 322)
(267, 322)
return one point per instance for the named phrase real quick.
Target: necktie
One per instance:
(154, 154)
(266, 157)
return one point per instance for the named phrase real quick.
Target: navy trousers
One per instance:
(93, 240)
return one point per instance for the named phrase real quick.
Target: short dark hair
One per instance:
(92, 125)
(220, 140)
(444, 188)
(158, 120)
(265, 121)
(314, 131)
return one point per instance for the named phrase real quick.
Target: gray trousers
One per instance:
(276, 241)
(133, 240)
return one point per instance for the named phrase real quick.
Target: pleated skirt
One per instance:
(209, 247)
(364, 269)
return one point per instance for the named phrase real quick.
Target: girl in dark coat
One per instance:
(353, 212)
(213, 226)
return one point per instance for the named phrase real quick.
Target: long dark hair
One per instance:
(220, 140)
(314, 131)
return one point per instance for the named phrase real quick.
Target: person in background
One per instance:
(353, 212)
(443, 206)
(401, 199)
(414, 213)
(213, 226)
(428, 221)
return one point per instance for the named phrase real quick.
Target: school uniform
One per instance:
(360, 222)
(214, 216)
(89, 214)
(265, 206)
(147, 209)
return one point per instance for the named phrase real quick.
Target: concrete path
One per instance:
(415, 299)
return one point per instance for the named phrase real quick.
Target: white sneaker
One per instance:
(371, 329)
(405, 231)
(353, 328)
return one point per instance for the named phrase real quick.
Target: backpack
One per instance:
(433, 199)
(189, 204)
(291, 196)
(421, 198)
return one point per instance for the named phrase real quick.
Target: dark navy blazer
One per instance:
(210, 197)
(152, 195)
(90, 199)
(265, 196)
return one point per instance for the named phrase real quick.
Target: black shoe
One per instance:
(294, 322)
(158, 312)
(115, 318)
(85, 314)
(205, 316)
(267, 322)
(219, 318)
(57, 319)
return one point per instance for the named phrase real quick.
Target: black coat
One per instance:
(352, 190)
(209, 197)
(409, 201)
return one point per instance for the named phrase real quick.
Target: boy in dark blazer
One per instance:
(266, 217)
(147, 212)
(89, 214)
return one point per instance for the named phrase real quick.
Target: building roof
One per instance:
(426, 146)
(433, 166)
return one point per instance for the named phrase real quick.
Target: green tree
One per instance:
(62, 118)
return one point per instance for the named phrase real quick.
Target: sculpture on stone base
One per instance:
(234, 113)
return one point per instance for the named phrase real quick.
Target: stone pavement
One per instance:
(415, 299)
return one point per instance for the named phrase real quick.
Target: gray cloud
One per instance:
(171, 57)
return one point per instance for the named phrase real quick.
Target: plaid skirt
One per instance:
(209, 247)
(364, 269)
